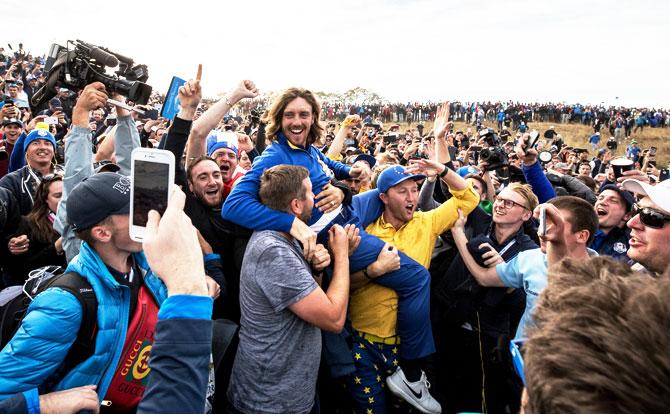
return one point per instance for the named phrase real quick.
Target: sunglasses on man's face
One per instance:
(650, 217)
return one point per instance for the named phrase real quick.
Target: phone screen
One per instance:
(150, 190)
(542, 228)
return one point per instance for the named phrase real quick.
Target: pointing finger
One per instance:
(198, 76)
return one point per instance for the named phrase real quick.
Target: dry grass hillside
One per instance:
(577, 135)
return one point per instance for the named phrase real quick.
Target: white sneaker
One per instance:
(415, 393)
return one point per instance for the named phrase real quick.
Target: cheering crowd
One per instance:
(319, 257)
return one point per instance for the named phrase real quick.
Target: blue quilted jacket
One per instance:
(51, 326)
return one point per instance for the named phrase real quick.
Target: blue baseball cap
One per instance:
(98, 197)
(221, 139)
(367, 158)
(393, 176)
(12, 121)
(463, 171)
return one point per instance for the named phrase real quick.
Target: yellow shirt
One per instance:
(373, 308)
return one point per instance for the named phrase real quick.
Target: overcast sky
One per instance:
(587, 51)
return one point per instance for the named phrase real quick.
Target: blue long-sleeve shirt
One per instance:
(243, 206)
(538, 180)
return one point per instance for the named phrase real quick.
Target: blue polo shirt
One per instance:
(527, 271)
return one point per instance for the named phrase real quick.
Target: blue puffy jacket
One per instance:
(51, 326)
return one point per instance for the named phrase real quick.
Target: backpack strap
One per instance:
(84, 346)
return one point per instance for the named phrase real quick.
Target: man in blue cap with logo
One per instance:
(373, 307)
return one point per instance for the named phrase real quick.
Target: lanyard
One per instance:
(507, 246)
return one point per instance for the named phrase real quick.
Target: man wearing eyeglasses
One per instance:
(471, 320)
(575, 224)
(650, 233)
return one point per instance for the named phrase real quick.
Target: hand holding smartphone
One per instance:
(533, 138)
(542, 228)
(152, 175)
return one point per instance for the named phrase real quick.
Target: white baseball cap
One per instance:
(659, 193)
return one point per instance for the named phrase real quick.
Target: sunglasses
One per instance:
(650, 217)
(517, 358)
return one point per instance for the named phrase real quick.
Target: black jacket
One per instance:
(39, 254)
(23, 185)
(458, 297)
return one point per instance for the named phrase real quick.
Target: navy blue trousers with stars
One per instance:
(374, 362)
(411, 282)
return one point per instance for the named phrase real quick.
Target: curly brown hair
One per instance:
(276, 112)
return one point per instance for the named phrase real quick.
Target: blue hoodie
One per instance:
(51, 326)
(243, 206)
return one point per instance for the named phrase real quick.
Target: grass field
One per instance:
(577, 135)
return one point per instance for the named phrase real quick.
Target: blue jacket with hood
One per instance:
(51, 326)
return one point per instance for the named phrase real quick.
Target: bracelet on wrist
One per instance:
(445, 172)
(227, 101)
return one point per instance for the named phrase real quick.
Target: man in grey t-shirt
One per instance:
(282, 306)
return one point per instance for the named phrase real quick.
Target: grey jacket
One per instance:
(79, 165)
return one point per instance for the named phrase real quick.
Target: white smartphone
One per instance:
(542, 229)
(152, 175)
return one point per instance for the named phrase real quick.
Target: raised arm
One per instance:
(126, 138)
(190, 95)
(335, 149)
(78, 159)
(533, 172)
(441, 127)
(197, 145)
